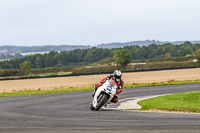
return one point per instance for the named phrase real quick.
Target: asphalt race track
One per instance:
(69, 112)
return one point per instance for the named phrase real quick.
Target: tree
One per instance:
(26, 67)
(140, 53)
(122, 56)
(197, 55)
(107, 60)
(17, 55)
(89, 57)
(167, 55)
(2, 56)
(38, 62)
(180, 53)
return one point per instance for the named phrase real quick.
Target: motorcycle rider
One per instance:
(119, 83)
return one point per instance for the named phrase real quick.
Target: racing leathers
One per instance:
(119, 85)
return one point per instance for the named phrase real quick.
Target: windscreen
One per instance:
(112, 83)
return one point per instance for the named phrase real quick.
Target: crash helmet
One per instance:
(117, 75)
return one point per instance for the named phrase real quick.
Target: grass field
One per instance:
(181, 102)
(74, 82)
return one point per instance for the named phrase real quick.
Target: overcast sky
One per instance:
(92, 22)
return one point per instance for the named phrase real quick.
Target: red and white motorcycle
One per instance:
(103, 95)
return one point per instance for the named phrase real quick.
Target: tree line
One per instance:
(91, 55)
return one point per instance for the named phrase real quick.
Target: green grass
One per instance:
(25, 92)
(170, 82)
(186, 102)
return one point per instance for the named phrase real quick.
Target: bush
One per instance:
(184, 64)
(94, 69)
(26, 67)
(51, 70)
(8, 72)
(138, 67)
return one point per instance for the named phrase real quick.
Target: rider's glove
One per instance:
(119, 89)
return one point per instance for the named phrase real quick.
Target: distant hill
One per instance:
(38, 49)
(140, 43)
(25, 50)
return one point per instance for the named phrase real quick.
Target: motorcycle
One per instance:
(103, 95)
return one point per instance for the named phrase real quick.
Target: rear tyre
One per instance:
(102, 99)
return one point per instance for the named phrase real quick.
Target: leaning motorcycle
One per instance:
(103, 95)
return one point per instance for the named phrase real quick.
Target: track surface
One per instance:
(69, 112)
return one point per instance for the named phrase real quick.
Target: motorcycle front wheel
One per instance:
(102, 99)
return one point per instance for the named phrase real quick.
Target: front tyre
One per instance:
(102, 99)
(91, 107)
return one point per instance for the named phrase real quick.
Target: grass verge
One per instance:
(29, 92)
(170, 82)
(181, 102)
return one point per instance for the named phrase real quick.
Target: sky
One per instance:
(93, 22)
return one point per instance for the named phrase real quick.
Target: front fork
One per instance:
(96, 94)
